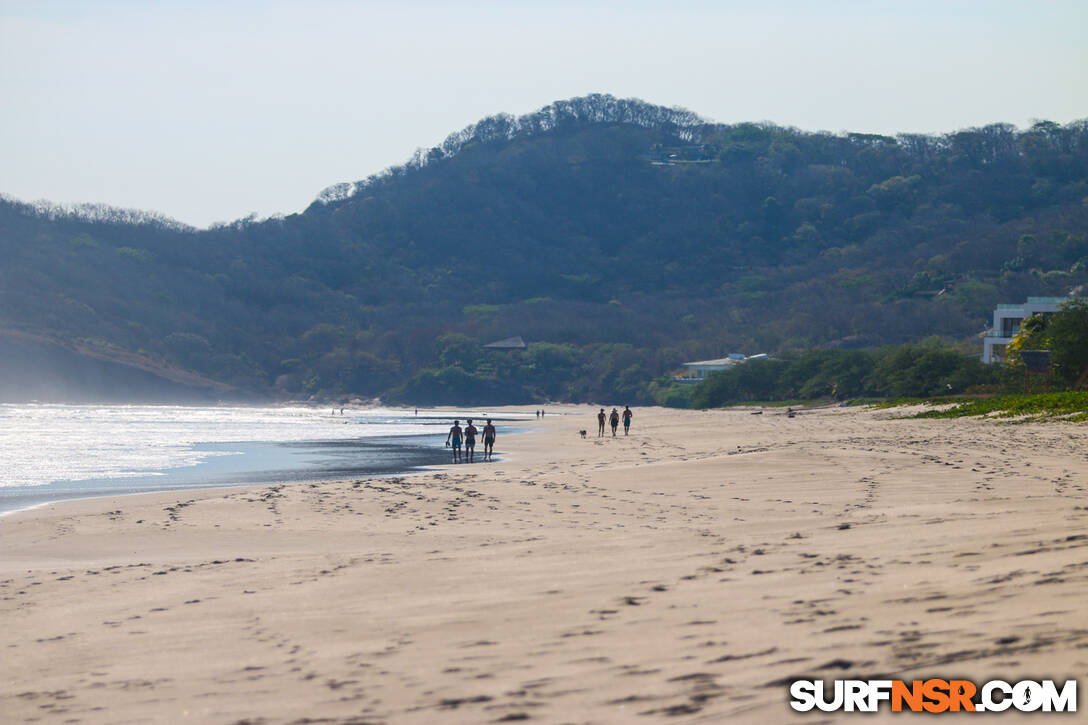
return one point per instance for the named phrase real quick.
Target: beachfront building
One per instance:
(510, 343)
(1007, 319)
(698, 370)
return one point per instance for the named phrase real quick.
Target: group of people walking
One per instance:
(613, 419)
(468, 434)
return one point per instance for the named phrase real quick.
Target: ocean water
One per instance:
(55, 452)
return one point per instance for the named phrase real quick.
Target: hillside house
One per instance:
(509, 343)
(698, 370)
(1007, 319)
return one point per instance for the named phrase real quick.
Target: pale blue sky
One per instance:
(208, 111)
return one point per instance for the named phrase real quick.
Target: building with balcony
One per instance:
(1007, 319)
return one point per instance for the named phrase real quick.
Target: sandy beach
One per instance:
(683, 574)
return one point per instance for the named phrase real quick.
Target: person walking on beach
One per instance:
(454, 441)
(614, 420)
(627, 415)
(489, 440)
(600, 423)
(470, 442)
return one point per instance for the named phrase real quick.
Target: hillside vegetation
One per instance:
(618, 238)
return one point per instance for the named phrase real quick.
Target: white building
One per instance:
(1007, 319)
(510, 343)
(698, 370)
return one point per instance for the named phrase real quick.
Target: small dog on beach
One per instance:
(582, 433)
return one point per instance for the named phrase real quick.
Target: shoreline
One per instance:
(245, 462)
(171, 493)
(173, 480)
(678, 575)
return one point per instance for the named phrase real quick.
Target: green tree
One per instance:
(1069, 341)
(458, 349)
(925, 370)
(1065, 334)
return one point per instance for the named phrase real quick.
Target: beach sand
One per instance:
(681, 575)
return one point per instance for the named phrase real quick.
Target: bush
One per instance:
(1065, 334)
(453, 386)
(915, 371)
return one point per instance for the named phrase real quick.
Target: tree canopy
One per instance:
(1065, 335)
(619, 238)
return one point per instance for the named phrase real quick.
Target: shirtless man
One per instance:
(470, 441)
(489, 440)
(601, 417)
(454, 441)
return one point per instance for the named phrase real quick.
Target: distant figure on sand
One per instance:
(489, 440)
(614, 419)
(454, 441)
(601, 417)
(470, 441)
(627, 415)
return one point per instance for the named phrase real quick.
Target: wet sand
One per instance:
(681, 575)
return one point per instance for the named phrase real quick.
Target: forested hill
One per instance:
(617, 238)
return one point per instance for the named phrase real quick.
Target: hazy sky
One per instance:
(208, 111)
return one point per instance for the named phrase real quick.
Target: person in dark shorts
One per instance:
(470, 441)
(627, 415)
(614, 420)
(489, 440)
(601, 417)
(453, 440)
